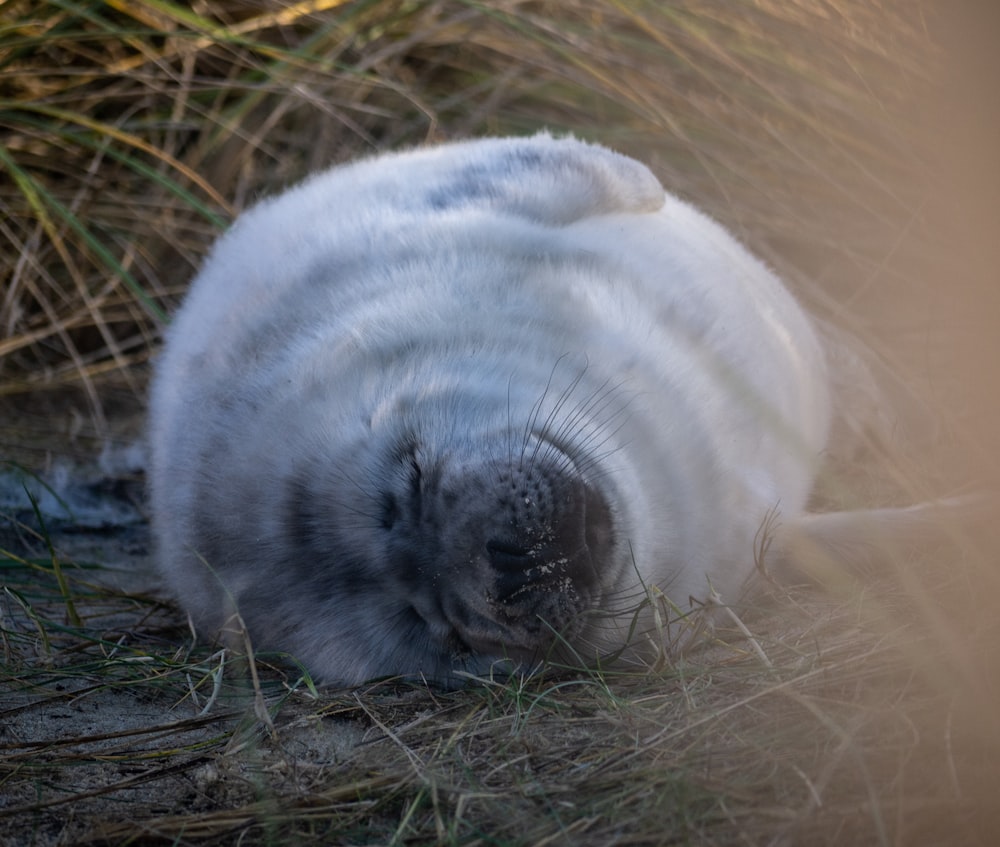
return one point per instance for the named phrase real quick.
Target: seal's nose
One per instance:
(558, 545)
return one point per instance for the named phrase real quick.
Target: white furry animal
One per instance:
(447, 410)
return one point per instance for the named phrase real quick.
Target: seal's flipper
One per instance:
(546, 180)
(831, 546)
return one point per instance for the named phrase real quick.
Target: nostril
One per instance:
(513, 566)
(508, 555)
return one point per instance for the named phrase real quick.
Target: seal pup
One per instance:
(450, 410)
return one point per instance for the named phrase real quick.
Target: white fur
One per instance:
(329, 313)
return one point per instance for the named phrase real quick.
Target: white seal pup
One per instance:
(454, 407)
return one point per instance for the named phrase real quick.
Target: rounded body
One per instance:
(421, 413)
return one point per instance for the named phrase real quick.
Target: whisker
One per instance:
(563, 398)
(537, 408)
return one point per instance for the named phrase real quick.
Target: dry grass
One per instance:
(121, 729)
(131, 132)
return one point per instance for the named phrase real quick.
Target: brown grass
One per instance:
(861, 729)
(132, 132)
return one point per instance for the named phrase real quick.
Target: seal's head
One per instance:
(476, 548)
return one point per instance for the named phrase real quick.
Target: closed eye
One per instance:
(390, 511)
(392, 507)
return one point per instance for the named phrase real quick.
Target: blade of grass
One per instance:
(42, 201)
